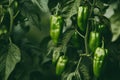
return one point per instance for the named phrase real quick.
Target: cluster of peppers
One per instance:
(94, 42)
(96, 46)
(56, 25)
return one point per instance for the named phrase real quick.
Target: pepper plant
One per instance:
(56, 39)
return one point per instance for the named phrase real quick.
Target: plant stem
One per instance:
(86, 55)
(86, 38)
(16, 14)
(87, 29)
(10, 40)
(76, 70)
(11, 19)
(78, 63)
(80, 34)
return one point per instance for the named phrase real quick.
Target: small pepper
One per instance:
(61, 64)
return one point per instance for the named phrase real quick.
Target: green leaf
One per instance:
(84, 72)
(70, 7)
(37, 13)
(74, 76)
(101, 6)
(8, 60)
(70, 76)
(67, 36)
(41, 4)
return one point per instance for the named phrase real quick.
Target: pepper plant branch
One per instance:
(79, 33)
(11, 19)
(10, 40)
(78, 64)
(85, 55)
(85, 39)
(16, 14)
(76, 70)
(87, 29)
(2, 18)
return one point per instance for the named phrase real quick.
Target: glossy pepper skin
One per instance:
(82, 17)
(61, 64)
(98, 60)
(55, 28)
(94, 40)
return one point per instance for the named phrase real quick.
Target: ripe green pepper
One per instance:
(55, 28)
(98, 60)
(94, 40)
(82, 17)
(55, 56)
(61, 64)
